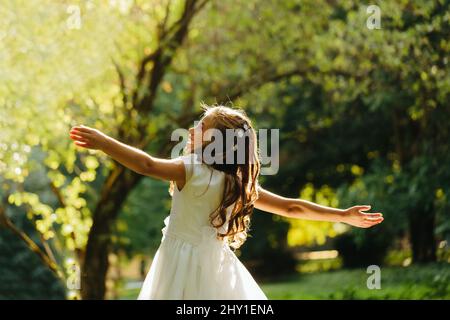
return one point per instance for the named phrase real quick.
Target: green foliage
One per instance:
(363, 114)
(22, 275)
(303, 232)
(141, 220)
(359, 250)
(413, 283)
(262, 248)
(47, 64)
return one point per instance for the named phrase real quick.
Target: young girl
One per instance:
(211, 208)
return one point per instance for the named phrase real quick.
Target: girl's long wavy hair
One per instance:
(241, 177)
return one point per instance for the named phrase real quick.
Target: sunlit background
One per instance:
(361, 98)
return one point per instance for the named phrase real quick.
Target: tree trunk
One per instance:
(95, 263)
(421, 227)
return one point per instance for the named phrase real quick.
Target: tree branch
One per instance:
(8, 224)
(123, 88)
(163, 56)
(62, 203)
(162, 27)
(270, 76)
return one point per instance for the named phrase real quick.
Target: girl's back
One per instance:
(193, 204)
(191, 262)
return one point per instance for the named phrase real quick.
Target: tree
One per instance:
(320, 76)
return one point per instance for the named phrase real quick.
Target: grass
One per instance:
(426, 282)
(414, 282)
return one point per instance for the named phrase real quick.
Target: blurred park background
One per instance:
(360, 95)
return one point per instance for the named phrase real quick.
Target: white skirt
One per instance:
(181, 270)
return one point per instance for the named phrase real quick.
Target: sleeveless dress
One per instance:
(191, 263)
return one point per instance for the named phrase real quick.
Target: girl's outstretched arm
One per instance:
(132, 158)
(302, 209)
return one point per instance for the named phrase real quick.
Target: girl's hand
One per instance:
(355, 217)
(86, 137)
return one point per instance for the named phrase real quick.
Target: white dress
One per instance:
(191, 263)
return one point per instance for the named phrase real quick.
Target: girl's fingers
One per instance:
(82, 129)
(372, 215)
(373, 219)
(370, 222)
(78, 138)
(82, 144)
(364, 208)
(365, 225)
(75, 136)
(80, 133)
